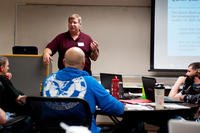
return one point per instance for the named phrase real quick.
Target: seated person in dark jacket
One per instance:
(191, 89)
(11, 99)
(12, 102)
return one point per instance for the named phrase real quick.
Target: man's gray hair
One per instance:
(74, 16)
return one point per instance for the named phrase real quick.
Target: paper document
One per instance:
(167, 105)
(137, 107)
(135, 101)
(175, 106)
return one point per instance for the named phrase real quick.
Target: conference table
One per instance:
(146, 112)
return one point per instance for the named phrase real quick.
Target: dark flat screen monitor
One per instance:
(25, 50)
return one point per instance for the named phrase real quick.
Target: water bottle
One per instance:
(121, 90)
(115, 87)
(159, 95)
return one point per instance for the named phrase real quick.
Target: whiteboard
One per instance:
(123, 33)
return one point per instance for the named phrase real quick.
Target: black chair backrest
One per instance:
(48, 112)
(25, 50)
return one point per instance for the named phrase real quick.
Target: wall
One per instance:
(138, 44)
(118, 29)
(7, 11)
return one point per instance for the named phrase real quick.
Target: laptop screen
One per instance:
(106, 79)
(149, 84)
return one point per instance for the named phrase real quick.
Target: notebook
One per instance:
(149, 84)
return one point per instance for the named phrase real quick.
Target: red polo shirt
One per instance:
(64, 41)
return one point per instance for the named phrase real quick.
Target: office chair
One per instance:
(25, 50)
(183, 126)
(48, 112)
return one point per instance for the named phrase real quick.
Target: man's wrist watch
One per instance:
(187, 98)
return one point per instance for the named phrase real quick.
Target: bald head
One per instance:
(74, 57)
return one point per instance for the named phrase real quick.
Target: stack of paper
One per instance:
(137, 107)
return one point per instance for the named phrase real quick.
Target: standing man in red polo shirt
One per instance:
(72, 38)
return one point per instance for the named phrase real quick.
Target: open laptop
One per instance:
(149, 84)
(106, 81)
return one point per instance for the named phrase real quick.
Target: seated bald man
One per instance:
(87, 87)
